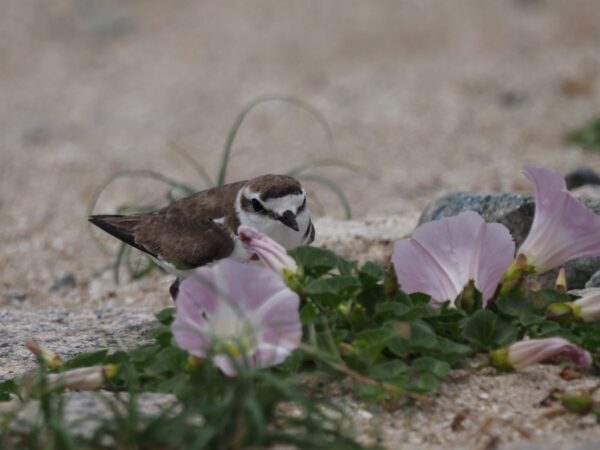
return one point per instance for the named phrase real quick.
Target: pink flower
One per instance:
(526, 353)
(239, 314)
(563, 228)
(443, 256)
(587, 308)
(271, 254)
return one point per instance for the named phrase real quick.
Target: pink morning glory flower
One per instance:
(532, 351)
(271, 254)
(445, 255)
(587, 308)
(563, 228)
(239, 314)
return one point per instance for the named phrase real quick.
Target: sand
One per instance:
(426, 96)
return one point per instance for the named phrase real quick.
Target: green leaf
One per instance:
(448, 321)
(370, 298)
(178, 384)
(87, 359)
(421, 336)
(308, 313)
(419, 339)
(388, 370)
(346, 267)
(163, 335)
(371, 342)
(431, 365)
(145, 353)
(166, 316)
(488, 331)
(166, 360)
(528, 320)
(392, 310)
(515, 306)
(426, 382)
(545, 297)
(450, 351)
(7, 388)
(370, 273)
(332, 290)
(399, 347)
(315, 261)
(419, 297)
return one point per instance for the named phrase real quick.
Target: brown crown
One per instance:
(275, 186)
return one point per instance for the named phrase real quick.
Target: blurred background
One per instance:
(425, 96)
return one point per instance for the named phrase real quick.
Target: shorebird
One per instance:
(202, 228)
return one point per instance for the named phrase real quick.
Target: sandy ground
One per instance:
(426, 96)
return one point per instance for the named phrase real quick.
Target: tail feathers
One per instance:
(120, 226)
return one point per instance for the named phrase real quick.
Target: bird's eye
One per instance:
(258, 207)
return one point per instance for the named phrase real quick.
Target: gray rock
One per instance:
(68, 333)
(594, 281)
(515, 211)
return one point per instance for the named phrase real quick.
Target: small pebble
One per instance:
(66, 282)
(364, 414)
(515, 98)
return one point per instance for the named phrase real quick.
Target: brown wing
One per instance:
(180, 239)
(183, 240)
(182, 233)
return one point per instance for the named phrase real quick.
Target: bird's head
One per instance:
(276, 206)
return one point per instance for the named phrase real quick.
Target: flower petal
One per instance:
(443, 255)
(197, 293)
(563, 228)
(268, 355)
(248, 285)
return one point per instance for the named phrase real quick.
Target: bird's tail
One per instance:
(120, 226)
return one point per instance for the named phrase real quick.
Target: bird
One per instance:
(202, 228)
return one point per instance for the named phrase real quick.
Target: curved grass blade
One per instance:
(328, 163)
(138, 265)
(333, 187)
(199, 168)
(124, 174)
(253, 104)
(121, 254)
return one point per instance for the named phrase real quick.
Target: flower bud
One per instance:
(561, 281)
(559, 310)
(271, 254)
(48, 357)
(525, 353)
(82, 379)
(470, 298)
(587, 308)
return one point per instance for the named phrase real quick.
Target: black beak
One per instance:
(289, 219)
